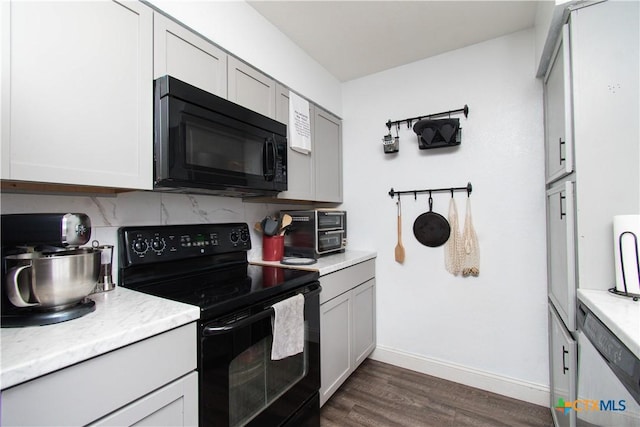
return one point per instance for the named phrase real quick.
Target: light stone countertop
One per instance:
(620, 314)
(122, 316)
(326, 264)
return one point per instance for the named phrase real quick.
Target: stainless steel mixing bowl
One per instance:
(56, 279)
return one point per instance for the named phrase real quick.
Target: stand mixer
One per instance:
(46, 275)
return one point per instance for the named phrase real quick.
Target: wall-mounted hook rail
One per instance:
(468, 189)
(409, 121)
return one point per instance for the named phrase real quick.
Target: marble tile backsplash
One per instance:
(107, 213)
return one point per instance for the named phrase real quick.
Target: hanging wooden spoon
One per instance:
(399, 248)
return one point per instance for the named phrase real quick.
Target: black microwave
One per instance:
(206, 144)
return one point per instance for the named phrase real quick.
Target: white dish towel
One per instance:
(288, 327)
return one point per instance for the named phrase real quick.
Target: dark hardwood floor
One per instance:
(379, 394)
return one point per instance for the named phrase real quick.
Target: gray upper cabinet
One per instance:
(181, 53)
(299, 165)
(561, 263)
(77, 93)
(605, 58)
(601, 44)
(558, 111)
(250, 88)
(327, 153)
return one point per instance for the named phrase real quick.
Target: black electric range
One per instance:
(206, 265)
(201, 264)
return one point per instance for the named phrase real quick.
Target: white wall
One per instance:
(474, 330)
(238, 28)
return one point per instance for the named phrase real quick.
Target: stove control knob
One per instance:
(158, 244)
(140, 246)
(234, 236)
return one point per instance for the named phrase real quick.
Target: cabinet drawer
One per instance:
(175, 404)
(82, 393)
(341, 281)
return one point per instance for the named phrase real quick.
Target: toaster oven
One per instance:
(316, 232)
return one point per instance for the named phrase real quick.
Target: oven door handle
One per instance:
(219, 329)
(223, 328)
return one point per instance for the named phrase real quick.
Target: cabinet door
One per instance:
(327, 132)
(175, 404)
(606, 70)
(364, 321)
(561, 251)
(299, 165)
(335, 348)
(558, 112)
(186, 56)
(81, 99)
(563, 363)
(250, 88)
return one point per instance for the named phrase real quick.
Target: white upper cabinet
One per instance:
(77, 100)
(299, 165)
(250, 88)
(327, 134)
(186, 56)
(558, 111)
(561, 251)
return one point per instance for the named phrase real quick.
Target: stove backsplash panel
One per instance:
(108, 213)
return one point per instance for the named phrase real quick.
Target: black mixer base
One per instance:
(18, 319)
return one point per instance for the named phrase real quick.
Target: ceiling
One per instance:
(352, 39)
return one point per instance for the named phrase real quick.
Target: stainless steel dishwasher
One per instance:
(608, 376)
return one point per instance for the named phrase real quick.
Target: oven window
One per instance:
(255, 381)
(329, 240)
(222, 148)
(330, 220)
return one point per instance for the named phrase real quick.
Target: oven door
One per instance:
(240, 384)
(330, 241)
(331, 220)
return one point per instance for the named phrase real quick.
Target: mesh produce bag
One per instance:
(453, 249)
(471, 264)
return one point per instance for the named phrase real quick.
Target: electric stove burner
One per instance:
(31, 317)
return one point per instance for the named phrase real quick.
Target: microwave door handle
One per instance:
(269, 159)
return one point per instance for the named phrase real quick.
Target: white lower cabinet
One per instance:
(151, 382)
(175, 404)
(563, 361)
(347, 324)
(335, 344)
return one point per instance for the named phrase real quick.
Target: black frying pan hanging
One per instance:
(430, 228)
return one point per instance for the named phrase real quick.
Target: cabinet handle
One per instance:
(562, 159)
(562, 214)
(564, 364)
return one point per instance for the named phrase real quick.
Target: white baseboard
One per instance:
(517, 389)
